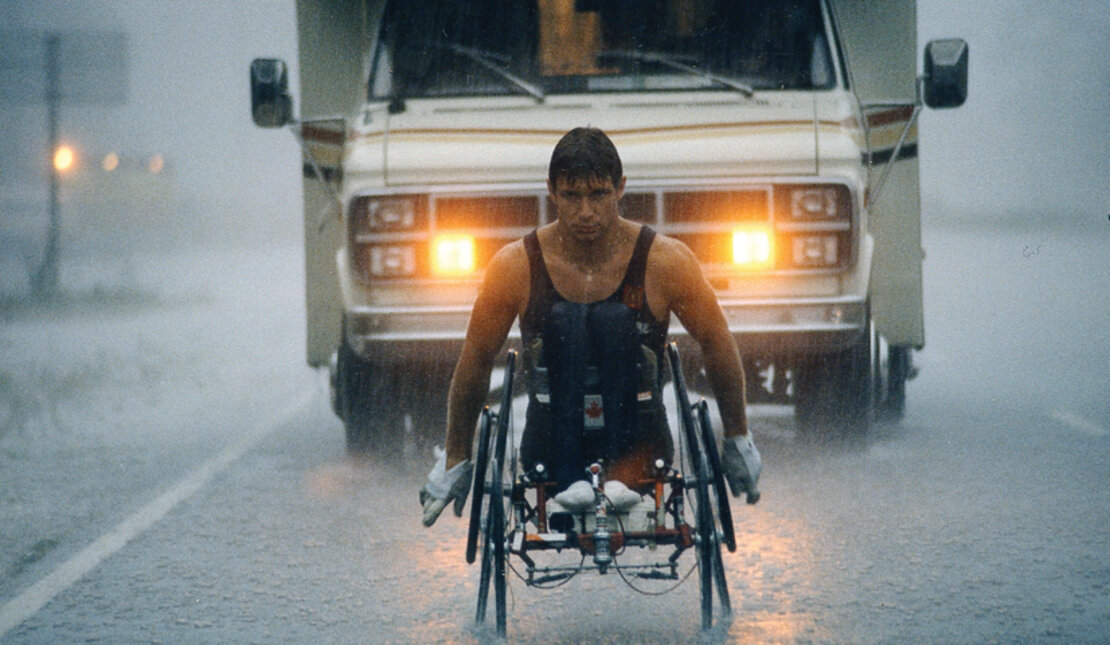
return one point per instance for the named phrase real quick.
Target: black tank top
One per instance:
(630, 293)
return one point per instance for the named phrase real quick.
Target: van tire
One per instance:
(898, 369)
(372, 418)
(390, 408)
(835, 392)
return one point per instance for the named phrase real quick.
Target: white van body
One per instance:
(429, 125)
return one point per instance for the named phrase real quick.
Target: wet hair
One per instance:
(584, 154)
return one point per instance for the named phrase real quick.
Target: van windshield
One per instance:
(439, 48)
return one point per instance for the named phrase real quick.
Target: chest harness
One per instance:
(594, 373)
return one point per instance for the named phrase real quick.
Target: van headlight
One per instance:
(752, 247)
(392, 261)
(816, 250)
(453, 254)
(384, 214)
(815, 202)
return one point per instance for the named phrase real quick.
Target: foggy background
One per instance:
(225, 181)
(1034, 135)
(1030, 144)
(983, 516)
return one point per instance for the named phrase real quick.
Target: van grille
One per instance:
(704, 219)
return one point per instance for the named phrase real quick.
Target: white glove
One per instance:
(742, 465)
(444, 485)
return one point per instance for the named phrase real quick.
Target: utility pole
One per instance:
(45, 281)
(59, 67)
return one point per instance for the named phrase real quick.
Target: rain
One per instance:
(171, 468)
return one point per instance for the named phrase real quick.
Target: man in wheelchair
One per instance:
(594, 293)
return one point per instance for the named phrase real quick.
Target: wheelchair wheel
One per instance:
(696, 462)
(485, 575)
(706, 540)
(494, 554)
(493, 568)
(719, 579)
(477, 530)
(718, 509)
(711, 570)
(479, 487)
(720, 490)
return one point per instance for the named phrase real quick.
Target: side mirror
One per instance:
(946, 73)
(271, 105)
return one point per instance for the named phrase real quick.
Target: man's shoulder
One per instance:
(511, 258)
(507, 270)
(544, 234)
(668, 253)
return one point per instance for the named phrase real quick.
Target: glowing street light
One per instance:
(64, 158)
(110, 162)
(99, 59)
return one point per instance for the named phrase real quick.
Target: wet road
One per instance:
(196, 489)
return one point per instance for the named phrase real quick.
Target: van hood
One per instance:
(471, 143)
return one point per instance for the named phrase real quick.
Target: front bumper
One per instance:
(795, 326)
(762, 327)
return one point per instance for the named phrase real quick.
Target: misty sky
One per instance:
(1035, 132)
(1034, 135)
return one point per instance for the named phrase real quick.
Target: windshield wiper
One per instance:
(486, 59)
(674, 63)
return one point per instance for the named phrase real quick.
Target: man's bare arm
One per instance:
(695, 304)
(496, 307)
(691, 298)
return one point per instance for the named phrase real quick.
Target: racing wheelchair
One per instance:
(687, 509)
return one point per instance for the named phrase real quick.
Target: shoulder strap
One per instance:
(637, 266)
(536, 266)
(631, 291)
(541, 291)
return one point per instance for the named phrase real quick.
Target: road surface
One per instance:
(170, 472)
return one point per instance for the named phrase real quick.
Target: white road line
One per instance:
(35, 597)
(1076, 422)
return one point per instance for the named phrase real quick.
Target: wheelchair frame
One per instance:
(508, 515)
